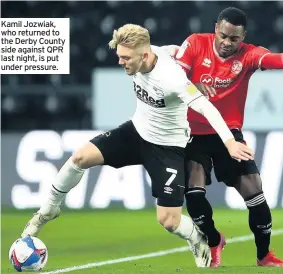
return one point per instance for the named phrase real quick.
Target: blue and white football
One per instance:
(28, 254)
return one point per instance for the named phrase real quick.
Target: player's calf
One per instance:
(67, 178)
(182, 226)
(169, 218)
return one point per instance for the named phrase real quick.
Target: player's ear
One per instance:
(145, 56)
(216, 27)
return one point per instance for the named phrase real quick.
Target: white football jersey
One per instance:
(163, 97)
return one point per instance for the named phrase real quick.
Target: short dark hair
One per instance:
(234, 16)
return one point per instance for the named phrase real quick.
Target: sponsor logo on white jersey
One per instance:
(144, 96)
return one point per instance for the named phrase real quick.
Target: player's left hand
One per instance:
(206, 90)
(239, 151)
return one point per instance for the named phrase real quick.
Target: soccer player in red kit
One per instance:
(221, 65)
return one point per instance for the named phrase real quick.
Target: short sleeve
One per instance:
(187, 52)
(255, 57)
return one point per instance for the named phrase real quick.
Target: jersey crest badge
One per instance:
(237, 67)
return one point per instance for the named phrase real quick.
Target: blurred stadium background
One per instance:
(46, 117)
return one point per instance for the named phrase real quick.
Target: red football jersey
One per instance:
(230, 78)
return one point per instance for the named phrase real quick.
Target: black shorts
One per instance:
(123, 146)
(210, 152)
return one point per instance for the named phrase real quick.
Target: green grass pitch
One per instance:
(83, 237)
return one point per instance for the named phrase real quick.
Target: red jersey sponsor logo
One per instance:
(216, 82)
(206, 79)
(222, 83)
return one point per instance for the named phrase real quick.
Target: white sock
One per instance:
(67, 178)
(187, 230)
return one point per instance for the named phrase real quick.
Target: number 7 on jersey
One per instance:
(172, 177)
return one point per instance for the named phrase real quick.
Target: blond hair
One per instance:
(130, 36)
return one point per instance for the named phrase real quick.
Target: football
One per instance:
(28, 254)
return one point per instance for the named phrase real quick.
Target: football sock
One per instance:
(187, 230)
(260, 223)
(67, 178)
(201, 212)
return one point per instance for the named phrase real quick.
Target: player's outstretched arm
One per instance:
(194, 99)
(236, 149)
(272, 61)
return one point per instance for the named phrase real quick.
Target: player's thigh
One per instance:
(198, 164)
(120, 146)
(248, 185)
(227, 169)
(165, 166)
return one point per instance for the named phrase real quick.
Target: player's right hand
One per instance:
(206, 90)
(239, 151)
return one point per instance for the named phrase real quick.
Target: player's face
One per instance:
(228, 38)
(130, 59)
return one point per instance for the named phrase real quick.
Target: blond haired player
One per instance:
(155, 137)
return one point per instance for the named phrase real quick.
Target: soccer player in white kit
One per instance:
(155, 137)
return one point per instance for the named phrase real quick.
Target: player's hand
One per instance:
(239, 151)
(206, 90)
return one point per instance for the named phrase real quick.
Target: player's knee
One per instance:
(197, 176)
(169, 221)
(88, 156)
(79, 159)
(249, 185)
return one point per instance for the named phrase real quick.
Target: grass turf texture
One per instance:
(82, 237)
